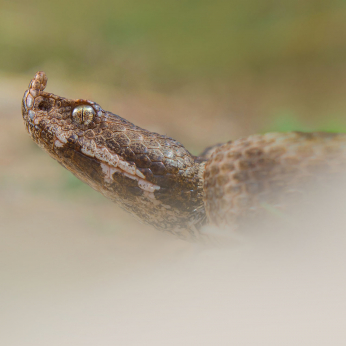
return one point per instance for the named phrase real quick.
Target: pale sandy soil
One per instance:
(76, 270)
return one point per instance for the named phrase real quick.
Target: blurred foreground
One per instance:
(76, 270)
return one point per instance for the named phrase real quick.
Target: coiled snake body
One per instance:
(156, 179)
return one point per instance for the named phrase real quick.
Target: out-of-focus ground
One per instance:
(77, 270)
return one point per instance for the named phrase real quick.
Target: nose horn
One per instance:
(36, 86)
(38, 83)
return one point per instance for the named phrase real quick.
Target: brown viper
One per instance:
(155, 178)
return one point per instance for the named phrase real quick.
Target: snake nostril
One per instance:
(44, 105)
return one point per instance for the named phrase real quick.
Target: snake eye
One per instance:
(83, 114)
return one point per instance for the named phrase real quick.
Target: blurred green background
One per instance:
(200, 71)
(166, 44)
(282, 60)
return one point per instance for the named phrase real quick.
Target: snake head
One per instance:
(143, 171)
(53, 121)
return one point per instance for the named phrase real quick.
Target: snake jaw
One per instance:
(142, 183)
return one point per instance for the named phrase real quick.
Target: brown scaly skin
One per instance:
(156, 179)
(177, 206)
(249, 179)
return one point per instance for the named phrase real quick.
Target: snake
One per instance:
(156, 179)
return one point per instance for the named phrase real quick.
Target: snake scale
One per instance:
(156, 179)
